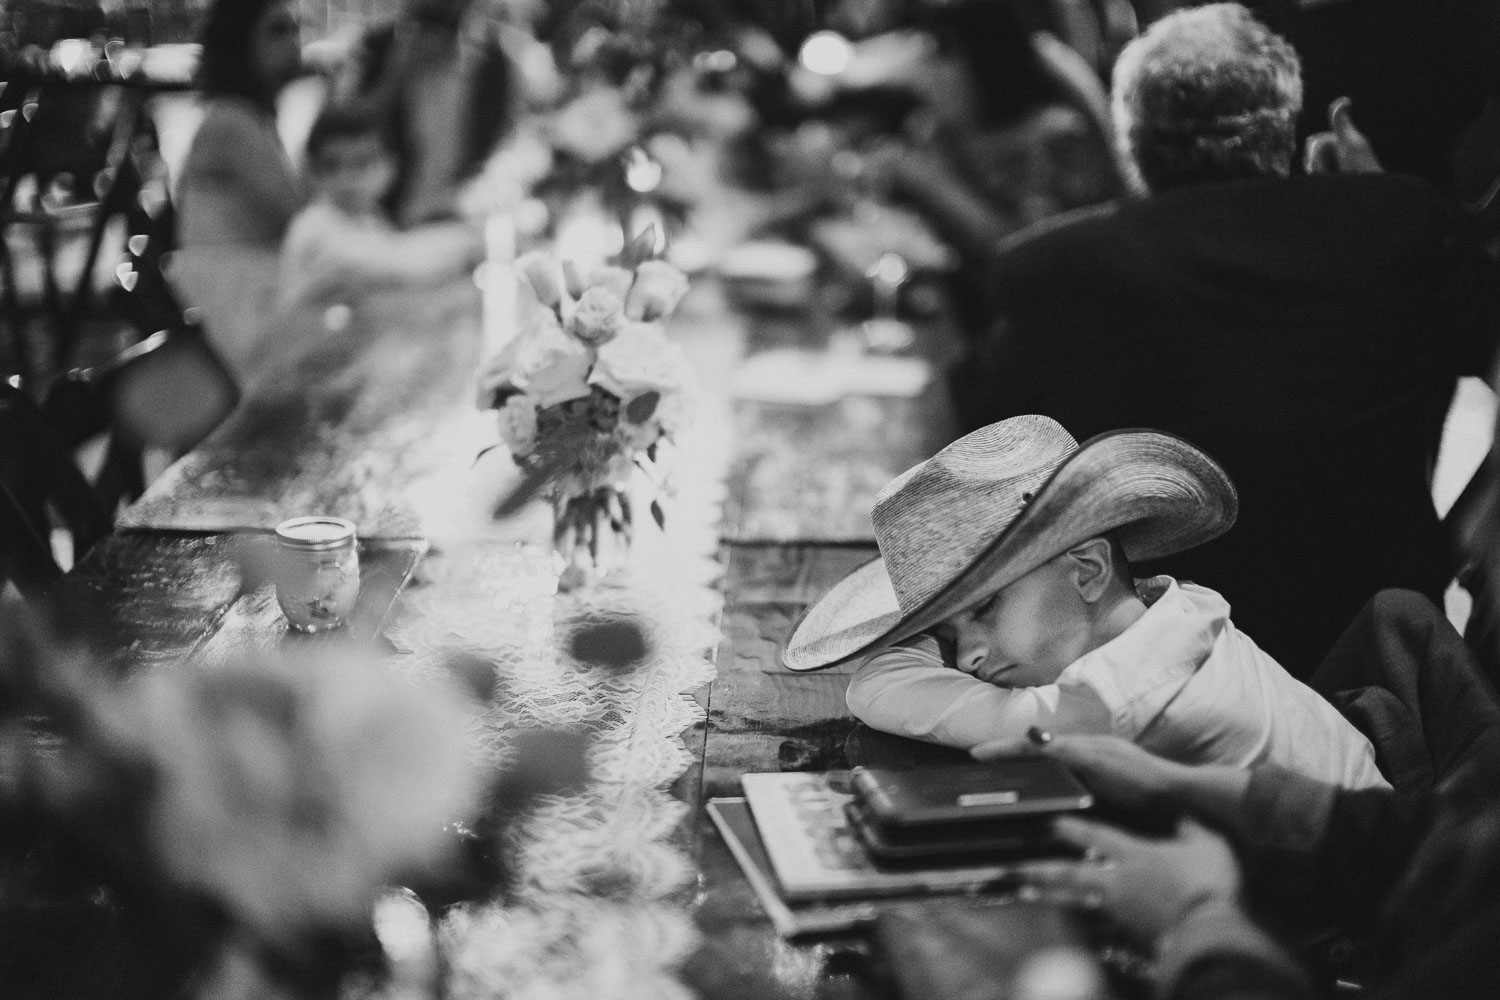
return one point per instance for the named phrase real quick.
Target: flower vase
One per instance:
(592, 533)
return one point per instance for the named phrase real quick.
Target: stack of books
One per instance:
(792, 835)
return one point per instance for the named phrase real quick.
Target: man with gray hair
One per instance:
(1307, 332)
(1206, 95)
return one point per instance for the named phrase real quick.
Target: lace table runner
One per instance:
(591, 916)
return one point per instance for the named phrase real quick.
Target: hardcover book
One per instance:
(816, 855)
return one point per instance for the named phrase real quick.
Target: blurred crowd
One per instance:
(1270, 230)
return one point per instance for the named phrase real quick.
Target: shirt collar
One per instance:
(1175, 635)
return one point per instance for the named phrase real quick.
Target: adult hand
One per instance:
(1117, 770)
(1148, 886)
(1344, 149)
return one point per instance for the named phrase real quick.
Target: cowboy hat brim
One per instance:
(1157, 492)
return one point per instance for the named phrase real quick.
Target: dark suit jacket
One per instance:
(1307, 333)
(1414, 870)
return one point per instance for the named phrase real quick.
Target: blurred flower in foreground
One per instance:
(247, 816)
(292, 792)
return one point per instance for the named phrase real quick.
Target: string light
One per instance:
(826, 53)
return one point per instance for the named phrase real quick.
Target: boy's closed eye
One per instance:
(944, 637)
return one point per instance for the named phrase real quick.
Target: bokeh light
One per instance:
(826, 53)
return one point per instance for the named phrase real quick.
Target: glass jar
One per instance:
(317, 572)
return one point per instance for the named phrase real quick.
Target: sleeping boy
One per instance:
(1003, 600)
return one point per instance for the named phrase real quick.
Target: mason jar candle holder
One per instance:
(317, 572)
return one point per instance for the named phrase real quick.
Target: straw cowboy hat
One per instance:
(996, 504)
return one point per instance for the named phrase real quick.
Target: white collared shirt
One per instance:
(1181, 681)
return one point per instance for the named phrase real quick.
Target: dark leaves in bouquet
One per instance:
(539, 473)
(659, 515)
(641, 248)
(568, 436)
(502, 394)
(604, 410)
(640, 409)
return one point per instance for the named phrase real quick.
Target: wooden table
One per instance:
(368, 423)
(376, 423)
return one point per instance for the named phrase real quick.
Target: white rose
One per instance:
(541, 272)
(658, 288)
(552, 366)
(597, 317)
(504, 368)
(518, 425)
(619, 471)
(498, 373)
(502, 371)
(575, 277)
(615, 279)
(640, 359)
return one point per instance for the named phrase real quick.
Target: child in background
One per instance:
(1003, 600)
(342, 243)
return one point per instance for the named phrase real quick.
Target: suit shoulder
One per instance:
(1391, 193)
(1058, 226)
(1056, 235)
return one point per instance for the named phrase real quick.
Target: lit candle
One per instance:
(499, 289)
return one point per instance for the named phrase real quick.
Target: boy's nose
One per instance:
(972, 651)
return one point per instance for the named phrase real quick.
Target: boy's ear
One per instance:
(1093, 568)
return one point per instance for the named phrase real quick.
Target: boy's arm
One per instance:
(909, 690)
(332, 255)
(406, 256)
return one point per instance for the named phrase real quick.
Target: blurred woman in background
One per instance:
(238, 190)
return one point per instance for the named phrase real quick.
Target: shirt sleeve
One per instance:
(1134, 697)
(331, 253)
(306, 267)
(1218, 954)
(1333, 854)
(910, 691)
(1286, 810)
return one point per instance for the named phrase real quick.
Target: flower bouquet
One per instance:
(588, 392)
